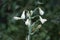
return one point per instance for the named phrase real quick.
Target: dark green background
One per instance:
(16, 30)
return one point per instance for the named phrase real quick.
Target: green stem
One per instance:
(29, 35)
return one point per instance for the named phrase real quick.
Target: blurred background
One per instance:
(11, 29)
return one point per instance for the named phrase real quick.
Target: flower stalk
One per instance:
(30, 27)
(29, 23)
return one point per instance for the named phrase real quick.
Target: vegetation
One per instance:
(11, 29)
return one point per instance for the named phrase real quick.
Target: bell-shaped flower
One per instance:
(42, 20)
(23, 15)
(28, 14)
(28, 22)
(41, 11)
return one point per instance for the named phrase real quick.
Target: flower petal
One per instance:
(23, 15)
(28, 22)
(41, 11)
(31, 12)
(28, 14)
(16, 18)
(42, 20)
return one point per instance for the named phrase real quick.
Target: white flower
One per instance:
(42, 20)
(28, 14)
(23, 15)
(31, 12)
(16, 18)
(28, 22)
(41, 11)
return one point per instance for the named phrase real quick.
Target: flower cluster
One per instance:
(27, 22)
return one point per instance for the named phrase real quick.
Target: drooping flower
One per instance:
(42, 20)
(28, 22)
(28, 14)
(23, 15)
(41, 11)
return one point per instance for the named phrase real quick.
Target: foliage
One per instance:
(11, 29)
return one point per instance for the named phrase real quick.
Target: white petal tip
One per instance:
(16, 18)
